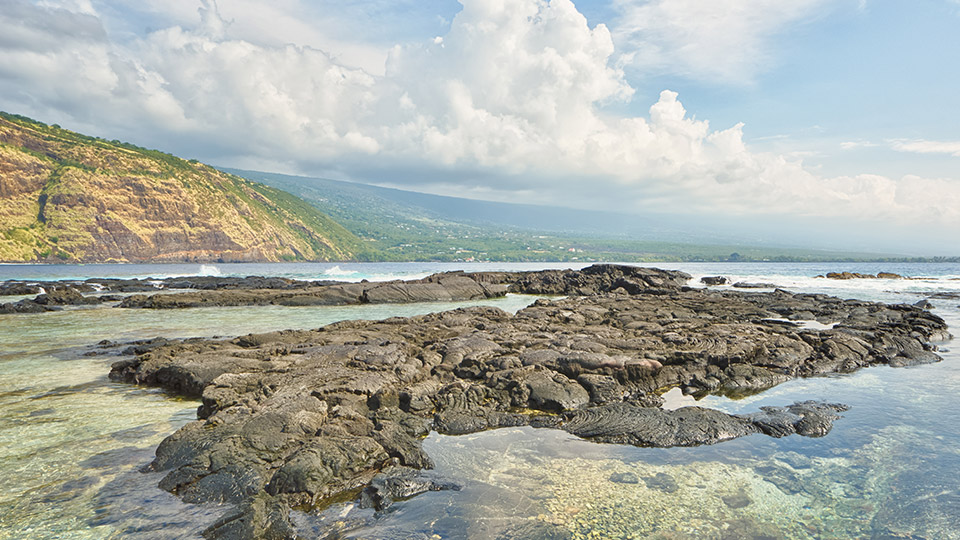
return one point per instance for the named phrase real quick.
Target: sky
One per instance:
(825, 123)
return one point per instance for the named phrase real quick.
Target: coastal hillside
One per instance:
(66, 197)
(407, 225)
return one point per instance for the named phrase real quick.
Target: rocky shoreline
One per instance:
(205, 291)
(299, 418)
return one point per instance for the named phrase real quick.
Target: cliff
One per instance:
(66, 197)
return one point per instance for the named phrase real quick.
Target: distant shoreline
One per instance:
(918, 260)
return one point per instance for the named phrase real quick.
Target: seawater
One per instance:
(72, 442)
(342, 271)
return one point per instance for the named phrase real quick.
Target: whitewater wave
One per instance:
(339, 272)
(871, 289)
(208, 270)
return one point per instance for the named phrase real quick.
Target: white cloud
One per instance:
(53, 56)
(717, 40)
(268, 24)
(513, 84)
(509, 104)
(853, 145)
(921, 146)
(78, 6)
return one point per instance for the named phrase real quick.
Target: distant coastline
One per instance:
(658, 260)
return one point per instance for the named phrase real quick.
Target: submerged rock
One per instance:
(661, 481)
(919, 510)
(624, 478)
(298, 418)
(738, 499)
(398, 483)
(809, 418)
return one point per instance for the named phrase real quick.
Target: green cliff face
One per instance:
(66, 197)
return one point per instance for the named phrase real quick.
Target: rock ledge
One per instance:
(295, 418)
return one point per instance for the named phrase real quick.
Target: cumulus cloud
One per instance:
(357, 33)
(720, 40)
(511, 103)
(513, 85)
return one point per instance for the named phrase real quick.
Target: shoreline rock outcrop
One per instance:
(210, 291)
(296, 418)
(857, 275)
(53, 300)
(714, 280)
(749, 285)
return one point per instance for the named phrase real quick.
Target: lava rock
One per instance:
(398, 483)
(297, 418)
(747, 285)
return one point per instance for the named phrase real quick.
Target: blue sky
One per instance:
(835, 116)
(884, 72)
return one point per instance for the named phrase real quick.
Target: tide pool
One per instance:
(72, 442)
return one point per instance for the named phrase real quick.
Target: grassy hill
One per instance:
(67, 197)
(406, 225)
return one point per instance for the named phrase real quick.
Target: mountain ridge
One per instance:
(68, 197)
(411, 225)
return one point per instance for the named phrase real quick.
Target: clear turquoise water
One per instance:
(71, 441)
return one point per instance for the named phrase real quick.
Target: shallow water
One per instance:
(71, 441)
(890, 469)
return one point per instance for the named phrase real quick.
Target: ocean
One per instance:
(72, 442)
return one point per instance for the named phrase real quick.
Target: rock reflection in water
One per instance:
(134, 508)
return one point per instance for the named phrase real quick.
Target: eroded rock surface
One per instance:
(398, 483)
(750, 285)
(295, 418)
(211, 291)
(58, 296)
(856, 275)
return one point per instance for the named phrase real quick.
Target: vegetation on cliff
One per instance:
(67, 197)
(412, 226)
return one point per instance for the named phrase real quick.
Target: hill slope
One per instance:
(406, 225)
(399, 205)
(66, 197)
